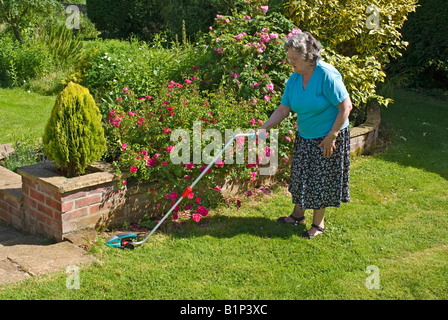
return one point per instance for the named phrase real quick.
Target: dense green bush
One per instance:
(122, 18)
(427, 33)
(140, 66)
(74, 136)
(21, 63)
(145, 18)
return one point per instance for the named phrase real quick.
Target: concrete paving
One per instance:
(23, 256)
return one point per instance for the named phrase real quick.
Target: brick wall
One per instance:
(11, 198)
(40, 201)
(53, 213)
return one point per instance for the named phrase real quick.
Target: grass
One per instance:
(23, 113)
(396, 221)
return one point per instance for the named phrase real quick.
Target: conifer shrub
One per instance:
(74, 136)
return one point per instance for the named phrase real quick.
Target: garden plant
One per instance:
(238, 96)
(74, 136)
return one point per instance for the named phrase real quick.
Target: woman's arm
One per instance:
(278, 116)
(328, 143)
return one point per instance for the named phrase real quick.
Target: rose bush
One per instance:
(248, 48)
(236, 89)
(139, 132)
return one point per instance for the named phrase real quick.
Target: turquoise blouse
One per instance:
(316, 106)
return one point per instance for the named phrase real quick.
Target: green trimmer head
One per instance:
(122, 240)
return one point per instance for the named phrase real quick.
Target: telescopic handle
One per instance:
(190, 188)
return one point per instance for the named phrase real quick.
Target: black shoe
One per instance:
(306, 235)
(296, 220)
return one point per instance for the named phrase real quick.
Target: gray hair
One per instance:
(305, 44)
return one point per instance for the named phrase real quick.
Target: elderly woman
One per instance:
(321, 156)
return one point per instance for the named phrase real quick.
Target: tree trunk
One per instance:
(16, 30)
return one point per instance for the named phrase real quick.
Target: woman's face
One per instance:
(297, 63)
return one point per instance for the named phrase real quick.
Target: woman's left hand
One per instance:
(329, 145)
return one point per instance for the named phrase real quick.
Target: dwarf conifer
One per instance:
(74, 136)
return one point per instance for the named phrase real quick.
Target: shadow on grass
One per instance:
(231, 226)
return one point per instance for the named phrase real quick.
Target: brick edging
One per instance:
(364, 137)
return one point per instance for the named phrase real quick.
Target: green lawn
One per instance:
(397, 221)
(23, 113)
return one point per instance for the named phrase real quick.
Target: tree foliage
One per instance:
(359, 37)
(17, 13)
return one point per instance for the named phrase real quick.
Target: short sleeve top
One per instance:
(316, 105)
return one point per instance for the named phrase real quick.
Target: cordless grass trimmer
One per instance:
(127, 240)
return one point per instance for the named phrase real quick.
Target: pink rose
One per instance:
(202, 211)
(253, 174)
(196, 217)
(264, 8)
(133, 169)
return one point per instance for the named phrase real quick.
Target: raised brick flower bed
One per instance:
(39, 200)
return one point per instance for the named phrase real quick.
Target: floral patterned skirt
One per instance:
(317, 182)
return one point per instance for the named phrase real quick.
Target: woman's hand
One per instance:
(329, 145)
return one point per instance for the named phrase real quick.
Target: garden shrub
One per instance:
(140, 66)
(64, 46)
(248, 48)
(139, 137)
(428, 45)
(235, 89)
(21, 63)
(351, 40)
(146, 18)
(125, 17)
(27, 151)
(74, 136)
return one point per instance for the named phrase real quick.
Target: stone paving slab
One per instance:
(23, 256)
